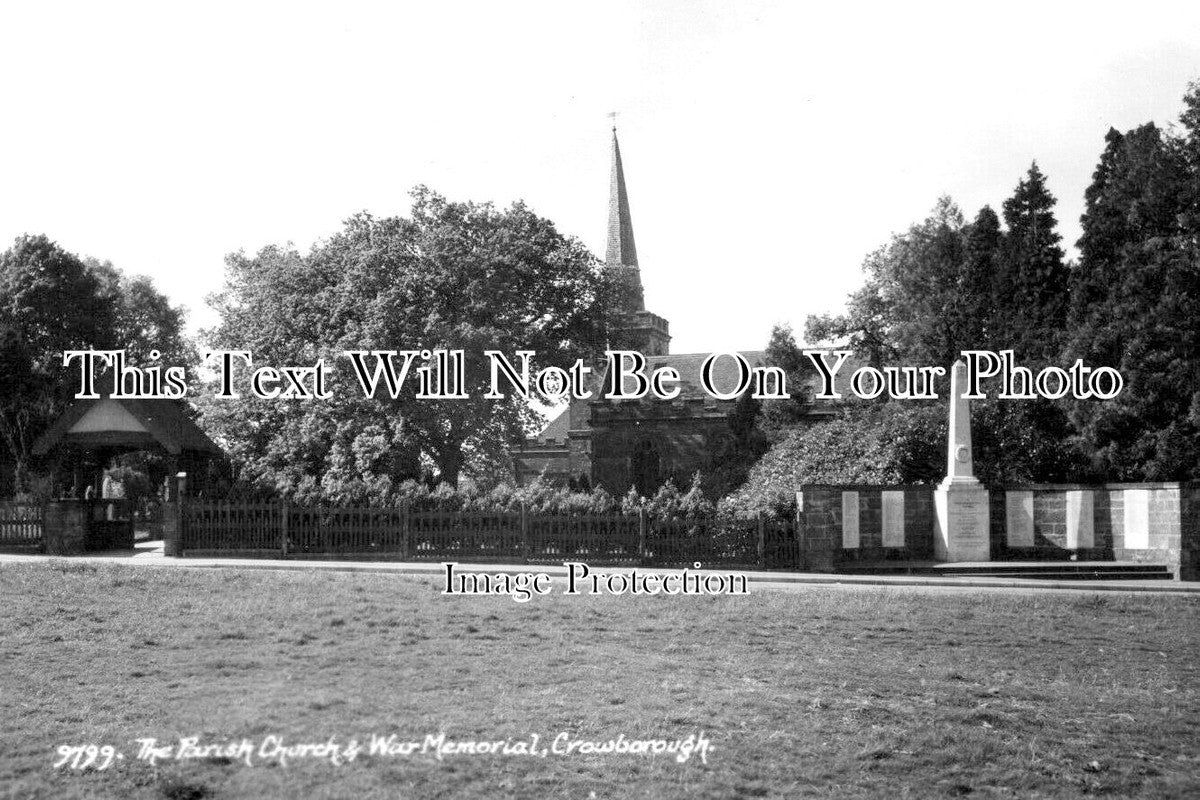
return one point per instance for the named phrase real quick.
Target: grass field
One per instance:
(823, 691)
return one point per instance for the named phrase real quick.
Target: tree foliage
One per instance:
(52, 301)
(880, 443)
(783, 352)
(144, 321)
(1137, 301)
(909, 307)
(454, 276)
(1032, 290)
(945, 286)
(1131, 302)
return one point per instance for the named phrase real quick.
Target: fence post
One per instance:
(285, 514)
(525, 531)
(762, 540)
(642, 534)
(404, 528)
(173, 516)
(801, 534)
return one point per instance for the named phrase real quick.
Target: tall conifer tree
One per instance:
(977, 291)
(1136, 302)
(1033, 275)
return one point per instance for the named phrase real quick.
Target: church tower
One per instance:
(620, 445)
(649, 333)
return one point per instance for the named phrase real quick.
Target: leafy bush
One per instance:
(880, 443)
(540, 496)
(669, 503)
(904, 442)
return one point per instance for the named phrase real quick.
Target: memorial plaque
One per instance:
(850, 520)
(893, 519)
(962, 524)
(966, 510)
(1080, 522)
(1018, 519)
(1137, 518)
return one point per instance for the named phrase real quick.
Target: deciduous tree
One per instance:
(452, 275)
(52, 301)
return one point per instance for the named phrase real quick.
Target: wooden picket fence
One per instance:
(214, 527)
(21, 524)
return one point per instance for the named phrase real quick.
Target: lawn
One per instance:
(821, 691)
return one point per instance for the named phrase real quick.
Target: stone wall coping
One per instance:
(1063, 487)
(1015, 487)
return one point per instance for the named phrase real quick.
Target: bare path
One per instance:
(150, 554)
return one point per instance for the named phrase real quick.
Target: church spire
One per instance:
(621, 250)
(648, 332)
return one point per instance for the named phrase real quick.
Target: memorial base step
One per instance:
(1046, 570)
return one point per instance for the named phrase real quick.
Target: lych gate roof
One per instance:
(122, 422)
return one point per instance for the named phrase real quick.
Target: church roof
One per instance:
(556, 430)
(621, 249)
(725, 372)
(689, 366)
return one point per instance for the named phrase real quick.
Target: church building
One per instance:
(618, 444)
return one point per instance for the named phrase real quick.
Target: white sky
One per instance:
(768, 146)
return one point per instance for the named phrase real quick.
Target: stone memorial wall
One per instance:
(868, 523)
(1142, 522)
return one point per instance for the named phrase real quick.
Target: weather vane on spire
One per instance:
(613, 116)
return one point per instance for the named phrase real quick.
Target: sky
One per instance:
(768, 146)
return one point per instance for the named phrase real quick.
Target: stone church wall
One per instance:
(682, 447)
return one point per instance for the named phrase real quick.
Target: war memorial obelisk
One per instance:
(960, 501)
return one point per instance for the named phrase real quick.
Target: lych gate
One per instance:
(91, 433)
